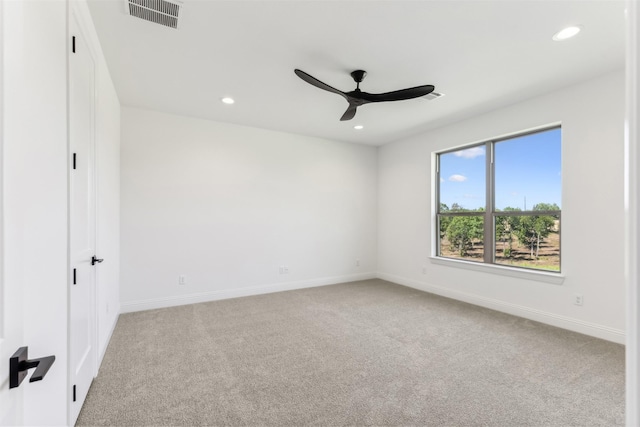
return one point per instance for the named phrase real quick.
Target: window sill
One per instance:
(520, 273)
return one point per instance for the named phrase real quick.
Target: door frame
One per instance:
(632, 213)
(2, 42)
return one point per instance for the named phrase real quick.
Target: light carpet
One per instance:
(360, 353)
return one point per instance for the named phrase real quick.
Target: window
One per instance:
(499, 202)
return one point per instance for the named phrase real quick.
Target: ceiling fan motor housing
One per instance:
(358, 75)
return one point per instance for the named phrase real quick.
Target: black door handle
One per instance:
(95, 260)
(19, 365)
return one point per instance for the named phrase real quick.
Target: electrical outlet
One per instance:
(357, 263)
(424, 270)
(182, 279)
(284, 269)
(578, 299)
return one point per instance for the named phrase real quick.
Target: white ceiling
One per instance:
(481, 54)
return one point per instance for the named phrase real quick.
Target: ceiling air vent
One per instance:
(161, 12)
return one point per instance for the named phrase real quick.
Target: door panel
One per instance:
(82, 219)
(11, 285)
(34, 206)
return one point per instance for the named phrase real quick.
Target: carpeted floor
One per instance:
(361, 353)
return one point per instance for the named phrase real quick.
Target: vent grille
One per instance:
(159, 11)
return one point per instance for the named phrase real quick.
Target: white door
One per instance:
(33, 257)
(10, 293)
(82, 225)
(11, 315)
(10, 340)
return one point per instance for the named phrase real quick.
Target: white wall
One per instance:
(592, 116)
(228, 205)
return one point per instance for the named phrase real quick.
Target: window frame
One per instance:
(489, 214)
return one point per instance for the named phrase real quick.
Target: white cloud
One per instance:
(457, 178)
(470, 153)
(441, 179)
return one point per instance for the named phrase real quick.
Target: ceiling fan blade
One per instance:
(317, 83)
(398, 95)
(348, 115)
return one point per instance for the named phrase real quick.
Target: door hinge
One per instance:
(73, 44)
(74, 160)
(74, 392)
(74, 276)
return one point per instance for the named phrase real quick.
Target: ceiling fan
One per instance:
(357, 98)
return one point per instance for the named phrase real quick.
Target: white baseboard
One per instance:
(171, 301)
(591, 329)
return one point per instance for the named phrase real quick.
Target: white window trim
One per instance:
(520, 272)
(556, 278)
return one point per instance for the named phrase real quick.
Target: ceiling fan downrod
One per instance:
(358, 76)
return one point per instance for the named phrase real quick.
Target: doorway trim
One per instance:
(632, 214)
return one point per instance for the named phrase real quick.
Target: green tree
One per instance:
(462, 231)
(444, 220)
(506, 228)
(534, 229)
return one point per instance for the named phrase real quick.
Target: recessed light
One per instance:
(228, 100)
(567, 33)
(358, 127)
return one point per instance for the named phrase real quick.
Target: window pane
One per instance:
(531, 241)
(461, 237)
(462, 180)
(528, 171)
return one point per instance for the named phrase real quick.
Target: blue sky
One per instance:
(525, 167)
